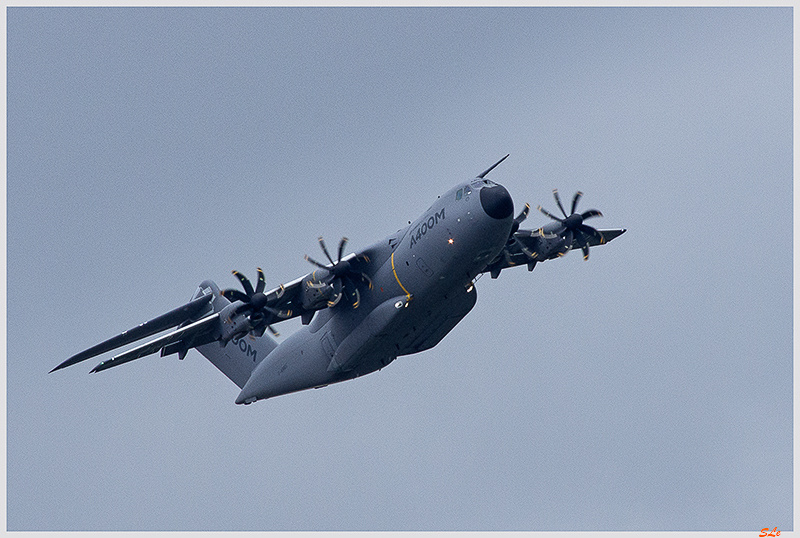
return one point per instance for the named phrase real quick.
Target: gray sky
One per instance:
(649, 388)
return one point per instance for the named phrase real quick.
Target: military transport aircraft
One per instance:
(361, 311)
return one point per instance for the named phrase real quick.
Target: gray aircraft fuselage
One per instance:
(422, 287)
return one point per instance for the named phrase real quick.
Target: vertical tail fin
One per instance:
(237, 358)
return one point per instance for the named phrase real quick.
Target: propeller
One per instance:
(518, 220)
(572, 227)
(514, 229)
(255, 302)
(340, 274)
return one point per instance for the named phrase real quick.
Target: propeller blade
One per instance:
(316, 284)
(575, 201)
(507, 257)
(591, 213)
(333, 303)
(262, 282)
(567, 244)
(325, 250)
(337, 290)
(558, 201)
(598, 234)
(523, 215)
(530, 254)
(258, 331)
(342, 243)
(312, 261)
(368, 280)
(241, 309)
(248, 288)
(353, 296)
(543, 210)
(280, 313)
(540, 232)
(518, 220)
(588, 230)
(235, 295)
(583, 243)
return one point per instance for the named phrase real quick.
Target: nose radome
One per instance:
(496, 202)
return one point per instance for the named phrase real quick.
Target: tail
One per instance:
(238, 358)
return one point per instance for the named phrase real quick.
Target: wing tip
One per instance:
(69, 362)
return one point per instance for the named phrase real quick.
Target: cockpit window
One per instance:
(459, 194)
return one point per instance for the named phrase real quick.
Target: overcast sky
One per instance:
(649, 388)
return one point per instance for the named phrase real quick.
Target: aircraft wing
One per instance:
(166, 321)
(531, 246)
(217, 321)
(606, 236)
(198, 333)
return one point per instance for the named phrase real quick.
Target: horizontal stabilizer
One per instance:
(173, 318)
(198, 333)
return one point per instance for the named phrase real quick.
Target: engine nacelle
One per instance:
(318, 294)
(549, 246)
(233, 323)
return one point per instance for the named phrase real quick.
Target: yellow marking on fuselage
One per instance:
(408, 295)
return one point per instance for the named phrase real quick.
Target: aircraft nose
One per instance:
(496, 202)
